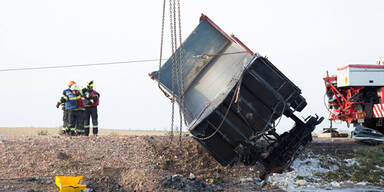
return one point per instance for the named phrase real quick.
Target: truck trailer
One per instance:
(232, 100)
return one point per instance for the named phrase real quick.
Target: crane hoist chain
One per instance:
(177, 63)
(173, 68)
(181, 96)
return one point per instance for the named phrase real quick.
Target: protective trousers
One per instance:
(91, 112)
(66, 127)
(77, 122)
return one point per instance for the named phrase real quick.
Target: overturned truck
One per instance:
(231, 98)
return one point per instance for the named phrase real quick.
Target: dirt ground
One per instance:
(136, 161)
(32, 131)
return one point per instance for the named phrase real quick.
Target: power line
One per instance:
(81, 65)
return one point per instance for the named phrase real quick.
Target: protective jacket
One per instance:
(69, 99)
(92, 98)
(80, 102)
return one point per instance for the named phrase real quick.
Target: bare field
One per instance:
(124, 160)
(33, 131)
(114, 164)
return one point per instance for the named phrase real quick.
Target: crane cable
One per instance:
(79, 65)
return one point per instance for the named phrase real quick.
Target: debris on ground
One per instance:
(317, 171)
(151, 163)
(185, 184)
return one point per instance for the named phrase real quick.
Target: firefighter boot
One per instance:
(86, 130)
(95, 130)
(63, 131)
(72, 132)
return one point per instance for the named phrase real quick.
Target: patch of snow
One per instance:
(361, 183)
(377, 166)
(353, 189)
(335, 184)
(246, 179)
(351, 162)
(307, 167)
(302, 177)
(333, 167)
(284, 180)
(192, 176)
(331, 158)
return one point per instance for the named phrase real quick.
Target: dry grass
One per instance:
(32, 131)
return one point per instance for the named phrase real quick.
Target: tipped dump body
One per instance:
(232, 97)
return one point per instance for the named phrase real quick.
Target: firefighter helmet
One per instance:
(90, 84)
(74, 87)
(71, 83)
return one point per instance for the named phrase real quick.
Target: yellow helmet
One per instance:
(90, 84)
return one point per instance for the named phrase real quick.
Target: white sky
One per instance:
(303, 39)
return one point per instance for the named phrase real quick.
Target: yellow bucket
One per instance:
(69, 183)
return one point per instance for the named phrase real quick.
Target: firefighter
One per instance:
(92, 98)
(67, 99)
(77, 114)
